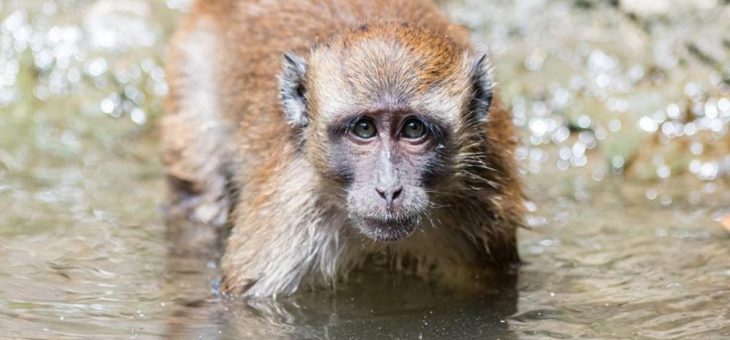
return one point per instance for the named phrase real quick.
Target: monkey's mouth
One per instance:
(387, 229)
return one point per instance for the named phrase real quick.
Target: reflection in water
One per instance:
(372, 304)
(191, 268)
(373, 307)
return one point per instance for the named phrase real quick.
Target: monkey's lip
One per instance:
(387, 229)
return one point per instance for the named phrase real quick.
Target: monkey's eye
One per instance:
(364, 128)
(414, 129)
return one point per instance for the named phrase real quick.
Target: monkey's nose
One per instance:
(390, 194)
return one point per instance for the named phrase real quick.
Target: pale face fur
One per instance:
(389, 182)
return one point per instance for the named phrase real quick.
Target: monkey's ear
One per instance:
(293, 90)
(482, 85)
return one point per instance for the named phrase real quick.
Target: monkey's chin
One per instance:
(386, 230)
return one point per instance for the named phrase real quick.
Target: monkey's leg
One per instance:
(195, 171)
(193, 134)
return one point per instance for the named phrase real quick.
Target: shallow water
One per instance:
(624, 111)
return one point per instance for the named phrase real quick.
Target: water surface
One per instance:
(624, 110)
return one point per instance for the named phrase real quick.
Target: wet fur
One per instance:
(232, 155)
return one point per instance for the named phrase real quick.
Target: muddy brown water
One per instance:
(624, 109)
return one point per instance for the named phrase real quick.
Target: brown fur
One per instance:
(231, 156)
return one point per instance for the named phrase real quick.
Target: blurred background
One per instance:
(624, 113)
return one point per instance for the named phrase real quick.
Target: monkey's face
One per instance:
(383, 115)
(386, 161)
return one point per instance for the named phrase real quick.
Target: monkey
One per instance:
(328, 135)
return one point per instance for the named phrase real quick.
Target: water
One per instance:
(624, 111)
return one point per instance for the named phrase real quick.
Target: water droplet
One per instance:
(138, 116)
(673, 111)
(724, 105)
(711, 109)
(598, 175)
(565, 153)
(648, 124)
(108, 105)
(666, 201)
(617, 162)
(692, 90)
(578, 149)
(696, 148)
(579, 161)
(563, 165)
(584, 121)
(664, 172)
(651, 194)
(708, 171)
(538, 127)
(561, 135)
(614, 125)
(97, 67)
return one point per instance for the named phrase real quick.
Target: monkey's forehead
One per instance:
(334, 97)
(401, 49)
(422, 72)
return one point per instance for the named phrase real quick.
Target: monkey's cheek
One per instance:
(386, 230)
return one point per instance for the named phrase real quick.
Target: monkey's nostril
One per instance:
(397, 192)
(390, 194)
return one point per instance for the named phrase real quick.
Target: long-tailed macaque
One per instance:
(329, 132)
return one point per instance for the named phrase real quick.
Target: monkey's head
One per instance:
(385, 113)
